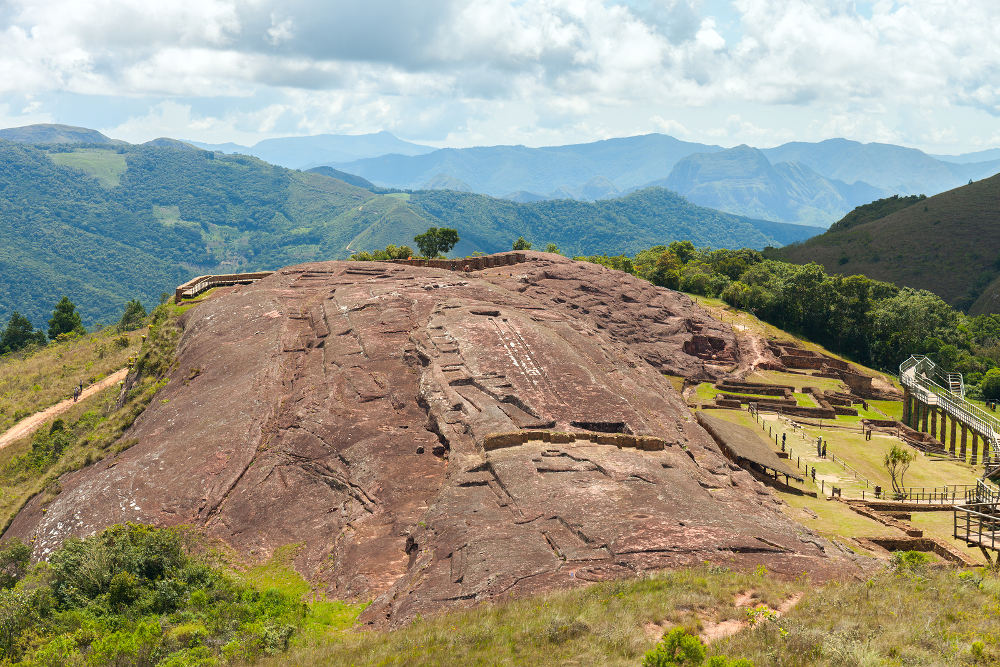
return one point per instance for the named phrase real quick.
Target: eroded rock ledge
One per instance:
(435, 438)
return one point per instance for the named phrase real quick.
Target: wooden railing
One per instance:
(196, 286)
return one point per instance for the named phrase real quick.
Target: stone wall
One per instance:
(515, 438)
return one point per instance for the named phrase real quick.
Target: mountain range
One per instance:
(805, 183)
(105, 222)
(798, 182)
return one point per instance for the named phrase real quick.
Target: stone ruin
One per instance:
(435, 437)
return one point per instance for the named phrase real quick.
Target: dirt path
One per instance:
(27, 425)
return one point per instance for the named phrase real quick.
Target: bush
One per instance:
(676, 648)
(990, 385)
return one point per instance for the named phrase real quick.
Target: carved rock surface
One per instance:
(434, 438)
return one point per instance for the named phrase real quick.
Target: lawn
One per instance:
(105, 165)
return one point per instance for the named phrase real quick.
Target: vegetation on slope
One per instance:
(914, 614)
(135, 595)
(92, 429)
(949, 244)
(875, 210)
(103, 224)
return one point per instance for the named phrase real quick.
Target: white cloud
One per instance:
(497, 71)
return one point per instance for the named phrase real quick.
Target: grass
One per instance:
(602, 624)
(706, 392)
(796, 380)
(106, 166)
(941, 525)
(922, 615)
(322, 617)
(32, 380)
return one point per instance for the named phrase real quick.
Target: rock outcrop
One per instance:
(433, 437)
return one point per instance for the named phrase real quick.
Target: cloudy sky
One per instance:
(923, 73)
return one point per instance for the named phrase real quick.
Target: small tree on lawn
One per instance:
(436, 241)
(897, 460)
(65, 319)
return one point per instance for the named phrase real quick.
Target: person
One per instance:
(783, 436)
(77, 391)
(824, 450)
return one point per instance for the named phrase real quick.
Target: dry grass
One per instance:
(36, 379)
(95, 427)
(923, 616)
(603, 624)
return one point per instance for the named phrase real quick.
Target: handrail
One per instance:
(196, 286)
(917, 374)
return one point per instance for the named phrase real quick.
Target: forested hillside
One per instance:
(948, 244)
(102, 224)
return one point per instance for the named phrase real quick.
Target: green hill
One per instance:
(102, 224)
(948, 244)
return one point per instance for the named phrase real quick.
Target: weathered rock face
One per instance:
(435, 438)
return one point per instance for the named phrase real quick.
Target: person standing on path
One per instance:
(77, 391)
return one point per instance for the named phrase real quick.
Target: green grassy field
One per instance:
(105, 165)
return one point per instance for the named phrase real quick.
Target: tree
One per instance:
(65, 319)
(436, 241)
(553, 248)
(897, 460)
(991, 385)
(19, 333)
(133, 316)
(521, 244)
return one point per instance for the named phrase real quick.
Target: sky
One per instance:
(922, 73)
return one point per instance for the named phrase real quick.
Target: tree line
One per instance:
(20, 333)
(876, 323)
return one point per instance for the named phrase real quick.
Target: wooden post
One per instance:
(975, 448)
(923, 416)
(954, 424)
(934, 414)
(907, 407)
(965, 433)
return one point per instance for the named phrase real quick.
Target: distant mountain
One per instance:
(948, 244)
(164, 142)
(320, 149)
(893, 169)
(989, 154)
(55, 134)
(104, 225)
(445, 182)
(741, 180)
(819, 182)
(351, 179)
(554, 171)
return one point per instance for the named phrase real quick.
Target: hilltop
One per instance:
(55, 134)
(435, 438)
(104, 224)
(948, 244)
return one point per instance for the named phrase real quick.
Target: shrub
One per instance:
(676, 648)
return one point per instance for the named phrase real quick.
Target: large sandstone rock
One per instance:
(435, 438)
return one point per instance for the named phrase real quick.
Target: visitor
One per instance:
(77, 391)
